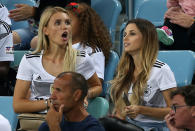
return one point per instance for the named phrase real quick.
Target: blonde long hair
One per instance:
(126, 67)
(43, 41)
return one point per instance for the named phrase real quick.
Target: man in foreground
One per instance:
(182, 115)
(67, 112)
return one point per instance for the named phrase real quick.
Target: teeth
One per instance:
(126, 44)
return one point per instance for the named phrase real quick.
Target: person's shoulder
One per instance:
(159, 64)
(81, 54)
(160, 67)
(5, 29)
(96, 50)
(93, 124)
(29, 55)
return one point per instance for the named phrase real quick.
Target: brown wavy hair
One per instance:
(93, 30)
(126, 67)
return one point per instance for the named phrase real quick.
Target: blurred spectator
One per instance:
(182, 115)
(179, 22)
(6, 49)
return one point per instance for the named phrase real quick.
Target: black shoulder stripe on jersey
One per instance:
(1, 5)
(160, 62)
(6, 26)
(97, 50)
(31, 56)
(157, 66)
(81, 53)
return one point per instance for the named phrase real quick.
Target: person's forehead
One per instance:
(64, 81)
(59, 15)
(131, 26)
(178, 99)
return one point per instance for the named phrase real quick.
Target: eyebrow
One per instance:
(58, 19)
(131, 30)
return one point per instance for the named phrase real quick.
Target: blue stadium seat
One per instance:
(109, 72)
(10, 5)
(182, 63)
(109, 11)
(7, 111)
(98, 107)
(17, 58)
(152, 10)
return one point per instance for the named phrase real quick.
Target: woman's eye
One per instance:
(57, 23)
(67, 22)
(132, 33)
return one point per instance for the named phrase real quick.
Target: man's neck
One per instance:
(76, 115)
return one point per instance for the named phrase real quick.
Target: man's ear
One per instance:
(193, 111)
(77, 95)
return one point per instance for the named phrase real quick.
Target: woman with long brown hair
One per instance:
(143, 78)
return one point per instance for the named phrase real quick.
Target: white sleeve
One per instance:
(4, 15)
(24, 70)
(86, 67)
(99, 63)
(167, 79)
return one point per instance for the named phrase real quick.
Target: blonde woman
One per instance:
(146, 80)
(53, 55)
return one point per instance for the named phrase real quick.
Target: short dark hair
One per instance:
(188, 92)
(78, 81)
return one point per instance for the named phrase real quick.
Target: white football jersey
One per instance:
(31, 69)
(97, 56)
(161, 78)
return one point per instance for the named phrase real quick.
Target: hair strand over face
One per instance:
(44, 43)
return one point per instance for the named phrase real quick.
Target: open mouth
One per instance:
(126, 44)
(65, 36)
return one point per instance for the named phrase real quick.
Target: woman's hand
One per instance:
(132, 111)
(22, 12)
(178, 17)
